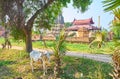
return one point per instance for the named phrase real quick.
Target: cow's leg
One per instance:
(44, 67)
(31, 63)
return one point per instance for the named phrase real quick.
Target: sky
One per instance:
(95, 9)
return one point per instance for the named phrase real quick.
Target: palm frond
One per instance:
(111, 4)
(99, 40)
(116, 12)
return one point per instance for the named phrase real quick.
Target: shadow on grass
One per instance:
(4, 63)
(6, 72)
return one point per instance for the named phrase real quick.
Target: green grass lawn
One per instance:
(16, 63)
(79, 47)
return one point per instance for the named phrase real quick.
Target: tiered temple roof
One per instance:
(60, 19)
(86, 23)
(83, 22)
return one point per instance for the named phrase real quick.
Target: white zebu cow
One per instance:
(39, 55)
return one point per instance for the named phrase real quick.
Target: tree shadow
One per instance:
(5, 71)
(6, 62)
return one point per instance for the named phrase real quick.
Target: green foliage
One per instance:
(97, 74)
(111, 4)
(105, 34)
(116, 42)
(4, 63)
(116, 31)
(99, 40)
(35, 32)
(82, 5)
(116, 12)
(115, 25)
(68, 24)
(47, 18)
(17, 33)
(59, 44)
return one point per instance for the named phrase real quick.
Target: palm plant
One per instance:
(112, 5)
(116, 12)
(115, 27)
(116, 64)
(99, 40)
(116, 55)
(59, 52)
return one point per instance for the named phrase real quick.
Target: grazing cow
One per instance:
(37, 56)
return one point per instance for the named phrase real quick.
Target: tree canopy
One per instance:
(25, 13)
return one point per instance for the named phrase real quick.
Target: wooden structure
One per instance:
(59, 24)
(82, 28)
(83, 32)
(82, 36)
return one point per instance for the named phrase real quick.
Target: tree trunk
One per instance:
(44, 43)
(28, 40)
(57, 68)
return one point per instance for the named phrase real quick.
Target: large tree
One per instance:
(23, 13)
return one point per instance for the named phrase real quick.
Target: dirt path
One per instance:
(97, 57)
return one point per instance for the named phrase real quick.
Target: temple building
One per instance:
(59, 24)
(60, 19)
(83, 29)
(86, 23)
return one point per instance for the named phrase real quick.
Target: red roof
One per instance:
(86, 23)
(82, 22)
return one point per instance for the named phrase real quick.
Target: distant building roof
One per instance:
(82, 22)
(87, 23)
